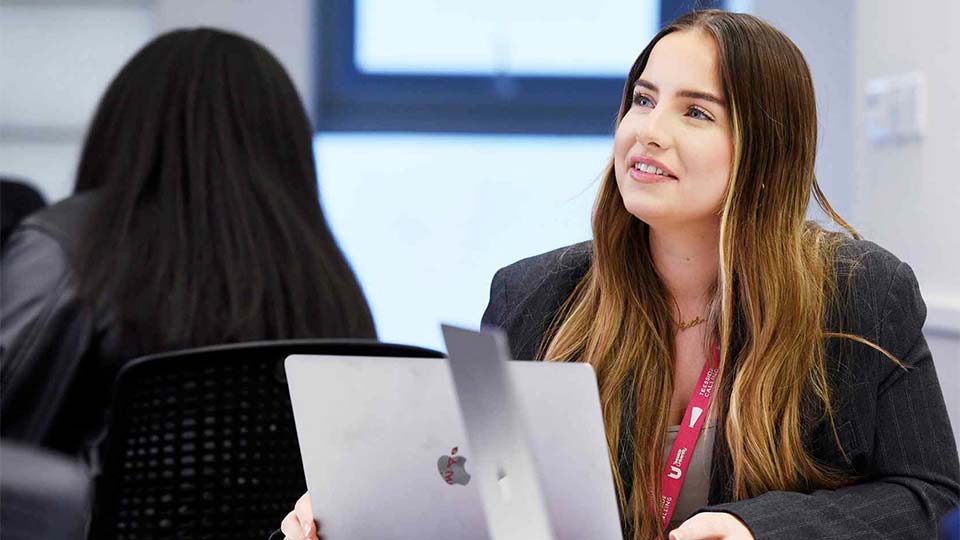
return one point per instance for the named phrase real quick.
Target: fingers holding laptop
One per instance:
(299, 524)
(712, 526)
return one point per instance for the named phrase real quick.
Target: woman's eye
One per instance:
(642, 100)
(698, 114)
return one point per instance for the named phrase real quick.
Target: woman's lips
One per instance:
(649, 178)
(644, 169)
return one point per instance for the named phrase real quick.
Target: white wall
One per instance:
(907, 193)
(56, 59)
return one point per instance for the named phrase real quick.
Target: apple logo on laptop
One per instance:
(452, 468)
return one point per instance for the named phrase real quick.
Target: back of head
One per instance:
(208, 227)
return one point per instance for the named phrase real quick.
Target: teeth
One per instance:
(649, 169)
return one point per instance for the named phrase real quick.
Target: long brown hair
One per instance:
(775, 291)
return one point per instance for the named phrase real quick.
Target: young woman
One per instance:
(196, 221)
(760, 376)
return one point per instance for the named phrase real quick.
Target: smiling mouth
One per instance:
(650, 169)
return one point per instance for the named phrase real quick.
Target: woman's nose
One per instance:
(652, 131)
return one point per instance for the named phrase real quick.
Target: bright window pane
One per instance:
(426, 220)
(536, 37)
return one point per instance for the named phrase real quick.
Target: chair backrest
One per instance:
(18, 199)
(202, 443)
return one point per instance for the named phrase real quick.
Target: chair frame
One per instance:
(115, 450)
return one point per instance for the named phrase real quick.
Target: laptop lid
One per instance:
(377, 436)
(373, 432)
(504, 470)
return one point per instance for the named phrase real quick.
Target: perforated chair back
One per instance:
(202, 444)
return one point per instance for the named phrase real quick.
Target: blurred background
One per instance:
(453, 138)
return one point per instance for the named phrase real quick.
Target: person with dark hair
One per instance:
(196, 221)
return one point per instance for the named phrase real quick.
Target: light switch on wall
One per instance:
(895, 108)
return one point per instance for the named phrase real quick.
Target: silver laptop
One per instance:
(386, 452)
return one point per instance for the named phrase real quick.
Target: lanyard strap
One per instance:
(679, 460)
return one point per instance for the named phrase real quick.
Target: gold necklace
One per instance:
(687, 325)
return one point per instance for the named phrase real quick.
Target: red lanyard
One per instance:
(682, 450)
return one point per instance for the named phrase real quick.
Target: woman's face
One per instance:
(678, 123)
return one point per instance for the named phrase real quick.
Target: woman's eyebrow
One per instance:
(694, 94)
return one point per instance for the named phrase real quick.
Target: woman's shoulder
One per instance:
(568, 263)
(525, 296)
(40, 249)
(858, 256)
(882, 297)
(61, 222)
(38, 271)
(875, 281)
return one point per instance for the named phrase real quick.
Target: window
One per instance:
(441, 66)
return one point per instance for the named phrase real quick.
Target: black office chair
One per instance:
(201, 443)
(18, 199)
(43, 495)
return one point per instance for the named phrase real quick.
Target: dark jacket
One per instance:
(892, 422)
(57, 355)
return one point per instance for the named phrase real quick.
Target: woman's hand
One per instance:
(299, 525)
(712, 526)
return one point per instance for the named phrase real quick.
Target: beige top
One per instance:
(696, 486)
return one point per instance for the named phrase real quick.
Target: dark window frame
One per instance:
(350, 100)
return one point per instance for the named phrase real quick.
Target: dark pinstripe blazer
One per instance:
(892, 422)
